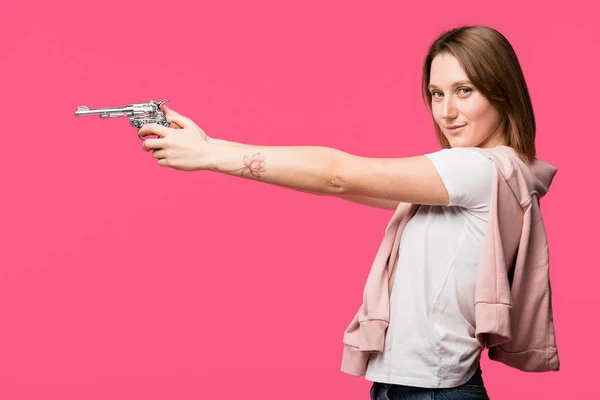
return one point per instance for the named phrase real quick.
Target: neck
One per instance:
(498, 138)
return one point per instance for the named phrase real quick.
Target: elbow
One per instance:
(334, 185)
(335, 180)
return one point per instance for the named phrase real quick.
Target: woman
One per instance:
(431, 332)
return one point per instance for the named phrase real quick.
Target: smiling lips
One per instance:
(455, 128)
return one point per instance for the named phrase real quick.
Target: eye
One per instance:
(436, 92)
(465, 90)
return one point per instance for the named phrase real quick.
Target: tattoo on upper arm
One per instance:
(252, 166)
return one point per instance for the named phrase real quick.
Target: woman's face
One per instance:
(465, 116)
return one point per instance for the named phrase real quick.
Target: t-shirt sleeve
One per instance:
(467, 175)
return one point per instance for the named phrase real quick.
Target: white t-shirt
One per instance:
(430, 341)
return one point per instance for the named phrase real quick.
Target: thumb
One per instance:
(167, 110)
(178, 119)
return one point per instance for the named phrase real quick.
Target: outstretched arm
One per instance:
(315, 169)
(364, 200)
(333, 172)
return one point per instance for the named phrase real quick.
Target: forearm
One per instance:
(304, 168)
(363, 200)
(221, 141)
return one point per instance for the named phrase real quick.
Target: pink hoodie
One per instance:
(513, 305)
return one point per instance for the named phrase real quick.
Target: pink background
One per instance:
(121, 279)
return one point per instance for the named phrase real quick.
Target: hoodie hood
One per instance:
(542, 174)
(532, 178)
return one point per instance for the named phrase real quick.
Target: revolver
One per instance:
(139, 114)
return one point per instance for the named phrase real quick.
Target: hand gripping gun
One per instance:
(139, 114)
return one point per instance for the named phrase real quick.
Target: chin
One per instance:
(460, 142)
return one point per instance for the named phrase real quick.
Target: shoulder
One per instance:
(504, 158)
(462, 155)
(467, 174)
(462, 160)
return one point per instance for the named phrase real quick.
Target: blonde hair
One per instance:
(492, 66)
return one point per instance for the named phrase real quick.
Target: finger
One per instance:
(153, 129)
(169, 114)
(153, 144)
(159, 154)
(172, 115)
(180, 120)
(167, 110)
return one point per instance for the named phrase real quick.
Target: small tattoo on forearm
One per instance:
(252, 166)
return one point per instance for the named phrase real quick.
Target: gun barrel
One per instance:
(121, 111)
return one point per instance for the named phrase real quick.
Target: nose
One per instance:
(449, 110)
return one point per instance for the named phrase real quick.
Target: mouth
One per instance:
(455, 128)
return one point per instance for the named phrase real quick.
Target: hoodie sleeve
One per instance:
(493, 300)
(533, 343)
(366, 332)
(513, 306)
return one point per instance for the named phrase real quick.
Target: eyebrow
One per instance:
(455, 84)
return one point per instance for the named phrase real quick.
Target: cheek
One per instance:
(481, 114)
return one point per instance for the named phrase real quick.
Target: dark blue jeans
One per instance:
(472, 390)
